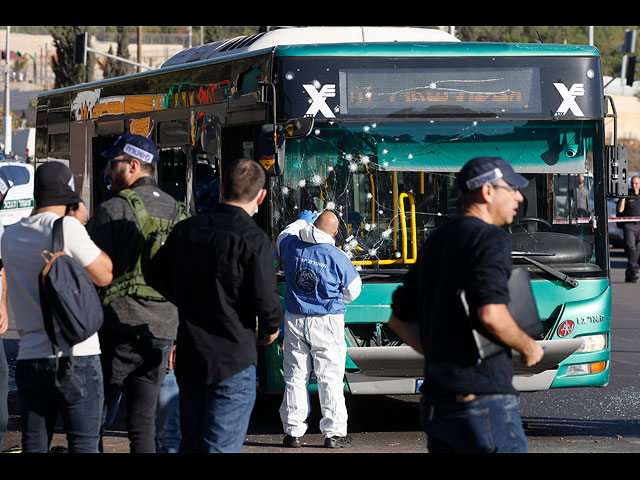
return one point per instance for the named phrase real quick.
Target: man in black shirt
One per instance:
(218, 268)
(630, 207)
(461, 392)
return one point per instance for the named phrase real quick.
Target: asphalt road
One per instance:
(581, 420)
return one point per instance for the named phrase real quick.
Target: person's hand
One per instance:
(4, 319)
(81, 213)
(309, 216)
(269, 339)
(171, 362)
(533, 354)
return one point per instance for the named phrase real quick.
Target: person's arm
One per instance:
(408, 332)
(499, 322)
(403, 306)
(158, 271)
(101, 270)
(621, 204)
(352, 291)
(83, 249)
(292, 229)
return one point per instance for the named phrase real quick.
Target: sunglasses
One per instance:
(112, 162)
(507, 187)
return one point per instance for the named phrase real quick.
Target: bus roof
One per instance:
(308, 36)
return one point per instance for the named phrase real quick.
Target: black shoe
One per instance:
(291, 442)
(633, 278)
(338, 442)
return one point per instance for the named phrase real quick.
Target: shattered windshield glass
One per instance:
(392, 183)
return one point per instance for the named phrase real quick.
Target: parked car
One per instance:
(18, 201)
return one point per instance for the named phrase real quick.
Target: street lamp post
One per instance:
(6, 119)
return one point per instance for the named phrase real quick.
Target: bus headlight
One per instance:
(586, 368)
(593, 343)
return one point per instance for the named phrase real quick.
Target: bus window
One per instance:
(172, 172)
(207, 183)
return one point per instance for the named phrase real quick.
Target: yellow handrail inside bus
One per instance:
(373, 199)
(403, 220)
(403, 227)
(394, 181)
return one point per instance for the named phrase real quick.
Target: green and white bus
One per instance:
(374, 123)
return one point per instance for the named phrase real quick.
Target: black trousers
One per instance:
(632, 247)
(137, 366)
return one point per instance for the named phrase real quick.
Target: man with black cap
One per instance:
(469, 404)
(140, 325)
(79, 395)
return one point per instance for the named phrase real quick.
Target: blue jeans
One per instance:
(215, 418)
(486, 424)
(78, 397)
(168, 416)
(4, 393)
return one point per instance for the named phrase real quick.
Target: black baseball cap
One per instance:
(480, 170)
(53, 185)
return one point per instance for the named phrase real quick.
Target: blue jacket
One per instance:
(320, 277)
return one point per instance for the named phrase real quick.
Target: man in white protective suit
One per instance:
(320, 279)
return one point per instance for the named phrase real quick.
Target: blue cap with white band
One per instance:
(135, 146)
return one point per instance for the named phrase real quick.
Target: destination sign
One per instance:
(460, 90)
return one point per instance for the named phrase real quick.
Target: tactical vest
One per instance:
(153, 233)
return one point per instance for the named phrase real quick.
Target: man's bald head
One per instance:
(328, 223)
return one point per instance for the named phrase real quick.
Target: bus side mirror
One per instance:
(272, 141)
(298, 127)
(271, 149)
(617, 165)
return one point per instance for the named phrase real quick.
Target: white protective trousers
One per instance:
(314, 344)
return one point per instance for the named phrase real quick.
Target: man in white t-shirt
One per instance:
(79, 395)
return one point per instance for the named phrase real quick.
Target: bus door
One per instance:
(101, 185)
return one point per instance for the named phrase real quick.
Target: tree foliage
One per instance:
(607, 39)
(116, 68)
(66, 72)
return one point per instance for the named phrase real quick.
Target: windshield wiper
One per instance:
(565, 279)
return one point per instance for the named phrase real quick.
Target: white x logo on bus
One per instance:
(569, 98)
(318, 99)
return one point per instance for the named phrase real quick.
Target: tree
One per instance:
(607, 39)
(117, 68)
(66, 72)
(213, 34)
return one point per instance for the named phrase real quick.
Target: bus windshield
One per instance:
(392, 183)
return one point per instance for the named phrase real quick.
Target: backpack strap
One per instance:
(58, 245)
(137, 205)
(47, 316)
(58, 235)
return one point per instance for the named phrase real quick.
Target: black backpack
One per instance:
(68, 297)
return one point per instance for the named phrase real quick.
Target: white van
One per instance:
(18, 202)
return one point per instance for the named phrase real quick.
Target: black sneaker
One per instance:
(632, 278)
(291, 442)
(338, 442)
